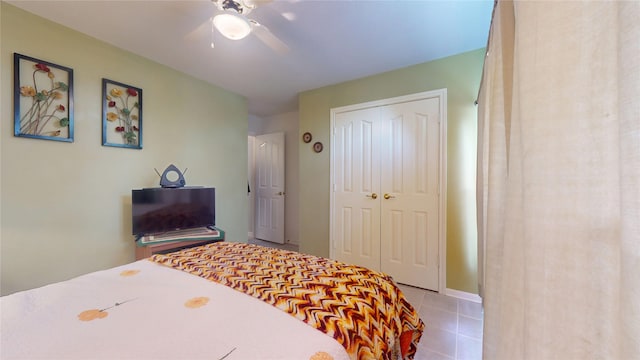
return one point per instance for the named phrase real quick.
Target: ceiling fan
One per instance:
(232, 22)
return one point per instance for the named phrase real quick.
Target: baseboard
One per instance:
(463, 295)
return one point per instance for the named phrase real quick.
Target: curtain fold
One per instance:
(559, 181)
(629, 152)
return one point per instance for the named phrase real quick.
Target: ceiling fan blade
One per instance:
(267, 37)
(256, 3)
(199, 31)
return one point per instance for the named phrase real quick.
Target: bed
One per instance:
(218, 301)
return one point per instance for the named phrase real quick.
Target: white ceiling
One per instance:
(329, 41)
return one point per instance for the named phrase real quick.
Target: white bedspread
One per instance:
(162, 313)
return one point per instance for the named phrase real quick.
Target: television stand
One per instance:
(174, 242)
(200, 233)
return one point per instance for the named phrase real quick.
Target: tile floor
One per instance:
(453, 327)
(292, 247)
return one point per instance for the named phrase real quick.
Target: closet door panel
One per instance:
(356, 167)
(409, 187)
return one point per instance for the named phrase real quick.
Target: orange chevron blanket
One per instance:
(360, 308)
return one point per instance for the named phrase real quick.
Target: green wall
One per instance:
(460, 75)
(66, 207)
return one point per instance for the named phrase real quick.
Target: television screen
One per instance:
(158, 210)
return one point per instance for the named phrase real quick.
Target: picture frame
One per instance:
(121, 115)
(317, 147)
(42, 99)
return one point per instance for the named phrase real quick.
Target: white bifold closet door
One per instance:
(386, 171)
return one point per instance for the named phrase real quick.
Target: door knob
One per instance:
(280, 193)
(373, 196)
(387, 196)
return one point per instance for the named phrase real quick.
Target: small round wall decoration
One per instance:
(306, 137)
(317, 147)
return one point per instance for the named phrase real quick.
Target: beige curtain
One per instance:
(559, 181)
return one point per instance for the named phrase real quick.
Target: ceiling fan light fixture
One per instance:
(232, 26)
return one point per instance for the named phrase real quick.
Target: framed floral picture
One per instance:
(121, 115)
(42, 99)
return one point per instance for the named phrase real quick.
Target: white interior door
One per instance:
(410, 192)
(269, 184)
(387, 173)
(356, 169)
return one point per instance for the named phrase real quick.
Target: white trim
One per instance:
(463, 295)
(442, 241)
(442, 93)
(442, 245)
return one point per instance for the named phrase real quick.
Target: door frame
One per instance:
(442, 186)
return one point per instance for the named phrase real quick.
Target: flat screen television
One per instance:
(157, 210)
